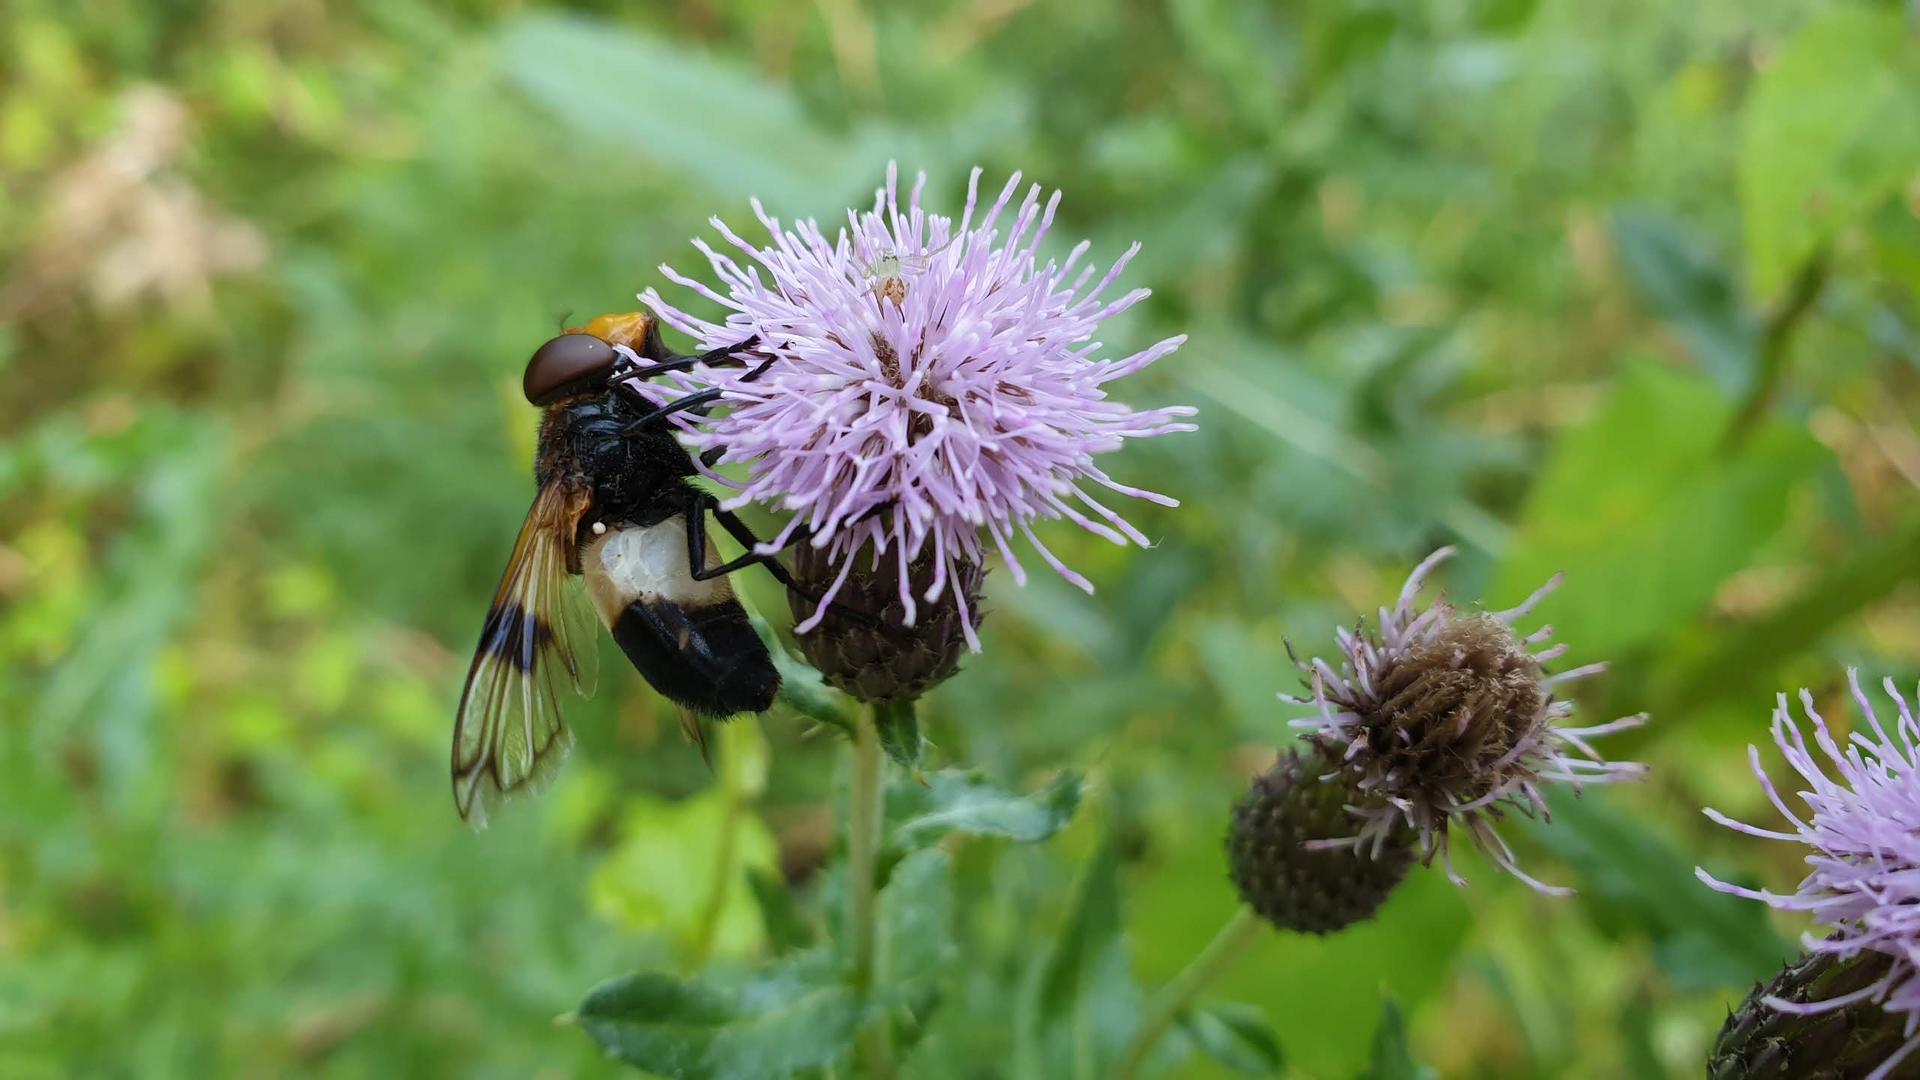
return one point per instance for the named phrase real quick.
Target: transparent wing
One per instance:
(508, 735)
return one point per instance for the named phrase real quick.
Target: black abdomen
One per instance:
(707, 659)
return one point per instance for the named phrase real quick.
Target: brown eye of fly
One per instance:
(567, 363)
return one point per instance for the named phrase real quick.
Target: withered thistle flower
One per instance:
(934, 381)
(1445, 719)
(1852, 1003)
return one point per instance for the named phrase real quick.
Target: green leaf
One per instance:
(954, 800)
(1643, 514)
(1092, 922)
(899, 729)
(917, 917)
(1678, 275)
(1632, 880)
(724, 124)
(1829, 132)
(801, 688)
(1080, 1004)
(641, 92)
(1235, 1035)
(1745, 655)
(798, 1016)
(918, 948)
(1392, 1054)
(785, 926)
(660, 875)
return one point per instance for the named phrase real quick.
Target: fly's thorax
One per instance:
(631, 473)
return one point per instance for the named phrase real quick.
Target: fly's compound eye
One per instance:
(567, 364)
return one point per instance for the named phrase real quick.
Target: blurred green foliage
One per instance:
(1625, 290)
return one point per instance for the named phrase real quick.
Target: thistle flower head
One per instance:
(1445, 718)
(1274, 861)
(1861, 820)
(933, 381)
(860, 648)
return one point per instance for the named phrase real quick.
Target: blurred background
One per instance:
(1625, 290)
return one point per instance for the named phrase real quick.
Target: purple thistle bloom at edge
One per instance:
(932, 381)
(1864, 887)
(1445, 718)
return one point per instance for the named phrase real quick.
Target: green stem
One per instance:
(1233, 940)
(864, 819)
(1775, 338)
(723, 875)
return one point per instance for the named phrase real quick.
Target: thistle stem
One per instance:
(1228, 945)
(864, 819)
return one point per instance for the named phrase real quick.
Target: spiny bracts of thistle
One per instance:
(1862, 825)
(1274, 859)
(933, 381)
(1445, 719)
(877, 660)
(1761, 1042)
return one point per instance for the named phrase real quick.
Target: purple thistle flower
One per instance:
(1864, 829)
(934, 380)
(1444, 718)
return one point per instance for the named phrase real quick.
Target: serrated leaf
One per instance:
(898, 725)
(1829, 132)
(1392, 1052)
(798, 1016)
(1235, 1035)
(1632, 880)
(954, 800)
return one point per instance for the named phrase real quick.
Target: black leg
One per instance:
(648, 371)
(759, 371)
(702, 505)
(711, 358)
(691, 401)
(699, 507)
(726, 352)
(635, 371)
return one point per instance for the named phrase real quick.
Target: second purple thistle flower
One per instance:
(937, 388)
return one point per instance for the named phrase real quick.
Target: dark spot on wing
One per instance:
(515, 635)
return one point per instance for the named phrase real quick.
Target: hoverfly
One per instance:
(617, 528)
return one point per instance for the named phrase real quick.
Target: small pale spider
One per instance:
(888, 269)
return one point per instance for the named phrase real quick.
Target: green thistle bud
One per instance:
(883, 660)
(1275, 864)
(1763, 1042)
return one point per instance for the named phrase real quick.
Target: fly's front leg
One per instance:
(703, 504)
